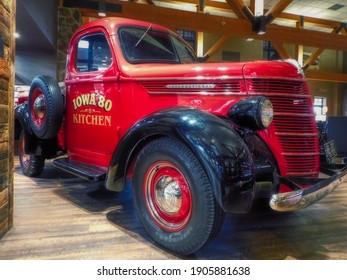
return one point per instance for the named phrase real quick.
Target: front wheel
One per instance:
(31, 165)
(173, 197)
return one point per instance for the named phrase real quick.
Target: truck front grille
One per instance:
(294, 123)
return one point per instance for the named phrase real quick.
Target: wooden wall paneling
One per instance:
(7, 50)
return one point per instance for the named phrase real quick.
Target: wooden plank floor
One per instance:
(60, 216)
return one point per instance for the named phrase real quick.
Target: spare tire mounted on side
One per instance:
(46, 107)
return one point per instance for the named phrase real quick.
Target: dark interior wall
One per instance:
(344, 86)
(44, 16)
(30, 63)
(36, 47)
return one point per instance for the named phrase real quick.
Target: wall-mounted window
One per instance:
(269, 52)
(320, 108)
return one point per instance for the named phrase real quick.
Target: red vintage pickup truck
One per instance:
(196, 140)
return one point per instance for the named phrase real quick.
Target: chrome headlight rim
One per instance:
(266, 112)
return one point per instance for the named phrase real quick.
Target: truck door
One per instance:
(92, 99)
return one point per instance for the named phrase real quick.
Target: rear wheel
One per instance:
(174, 198)
(31, 165)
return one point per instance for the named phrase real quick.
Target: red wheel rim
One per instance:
(25, 158)
(38, 107)
(167, 196)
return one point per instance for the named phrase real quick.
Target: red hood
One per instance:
(288, 69)
(268, 69)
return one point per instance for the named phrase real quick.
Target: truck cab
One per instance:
(196, 140)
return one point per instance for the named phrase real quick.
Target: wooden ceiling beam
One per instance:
(252, 6)
(240, 9)
(299, 48)
(326, 76)
(225, 26)
(217, 46)
(310, 20)
(277, 9)
(149, 2)
(226, 7)
(306, 37)
(318, 52)
(312, 58)
(280, 49)
(208, 3)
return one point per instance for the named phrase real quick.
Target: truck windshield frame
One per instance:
(141, 45)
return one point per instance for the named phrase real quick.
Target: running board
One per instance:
(86, 171)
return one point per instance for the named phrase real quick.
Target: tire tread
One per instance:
(215, 217)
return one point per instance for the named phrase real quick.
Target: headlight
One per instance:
(255, 113)
(267, 113)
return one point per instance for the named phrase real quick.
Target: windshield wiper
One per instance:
(143, 36)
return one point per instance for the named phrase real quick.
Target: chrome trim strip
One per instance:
(192, 79)
(190, 86)
(198, 93)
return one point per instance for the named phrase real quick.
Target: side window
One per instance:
(185, 54)
(93, 53)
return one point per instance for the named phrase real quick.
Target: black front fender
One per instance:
(222, 153)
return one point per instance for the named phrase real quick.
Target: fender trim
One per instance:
(221, 151)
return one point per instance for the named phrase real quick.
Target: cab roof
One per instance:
(111, 24)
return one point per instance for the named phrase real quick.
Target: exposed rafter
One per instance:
(277, 9)
(217, 46)
(226, 7)
(299, 48)
(326, 76)
(318, 52)
(280, 49)
(226, 26)
(252, 6)
(312, 58)
(240, 9)
(310, 20)
(149, 2)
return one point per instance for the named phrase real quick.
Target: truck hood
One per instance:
(288, 69)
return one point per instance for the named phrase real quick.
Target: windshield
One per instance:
(140, 45)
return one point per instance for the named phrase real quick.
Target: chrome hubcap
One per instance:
(168, 195)
(39, 106)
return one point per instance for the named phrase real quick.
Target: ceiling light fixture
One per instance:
(16, 35)
(336, 7)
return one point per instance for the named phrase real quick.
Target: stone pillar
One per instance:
(7, 54)
(69, 20)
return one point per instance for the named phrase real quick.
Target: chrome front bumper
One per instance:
(300, 198)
